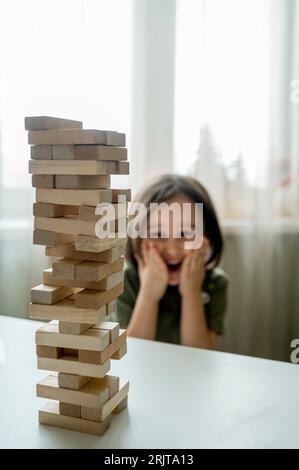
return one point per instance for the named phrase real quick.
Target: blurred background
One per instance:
(202, 87)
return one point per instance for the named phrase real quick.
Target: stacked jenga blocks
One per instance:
(71, 169)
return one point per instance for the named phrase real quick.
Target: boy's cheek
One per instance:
(156, 245)
(143, 243)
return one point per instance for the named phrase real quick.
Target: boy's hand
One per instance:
(193, 272)
(153, 272)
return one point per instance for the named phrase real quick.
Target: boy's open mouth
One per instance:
(173, 267)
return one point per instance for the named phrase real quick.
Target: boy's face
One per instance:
(172, 248)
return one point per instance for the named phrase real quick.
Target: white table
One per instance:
(179, 398)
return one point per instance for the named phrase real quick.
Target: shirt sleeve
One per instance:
(217, 306)
(126, 301)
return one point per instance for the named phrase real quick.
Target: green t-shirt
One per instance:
(168, 325)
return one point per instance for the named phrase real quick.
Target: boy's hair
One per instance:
(165, 187)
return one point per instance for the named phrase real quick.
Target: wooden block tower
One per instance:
(71, 169)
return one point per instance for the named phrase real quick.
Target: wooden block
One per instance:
(113, 384)
(121, 406)
(71, 365)
(93, 271)
(115, 400)
(91, 214)
(100, 357)
(42, 209)
(65, 268)
(50, 416)
(43, 181)
(73, 196)
(97, 245)
(45, 237)
(73, 328)
(92, 339)
(72, 381)
(122, 168)
(65, 310)
(121, 192)
(69, 251)
(76, 382)
(111, 327)
(111, 281)
(41, 152)
(67, 409)
(106, 283)
(74, 167)
(88, 298)
(93, 394)
(116, 139)
(69, 225)
(48, 351)
(36, 123)
(120, 353)
(90, 357)
(76, 136)
(73, 226)
(63, 152)
(81, 181)
(101, 413)
(95, 391)
(99, 152)
(88, 152)
(49, 295)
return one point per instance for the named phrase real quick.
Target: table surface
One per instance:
(179, 397)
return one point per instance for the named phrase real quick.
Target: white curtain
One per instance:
(152, 143)
(236, 129)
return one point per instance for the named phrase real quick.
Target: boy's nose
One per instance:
(174, 248)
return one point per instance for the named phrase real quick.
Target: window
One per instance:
(67, 58)
(222, 102)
